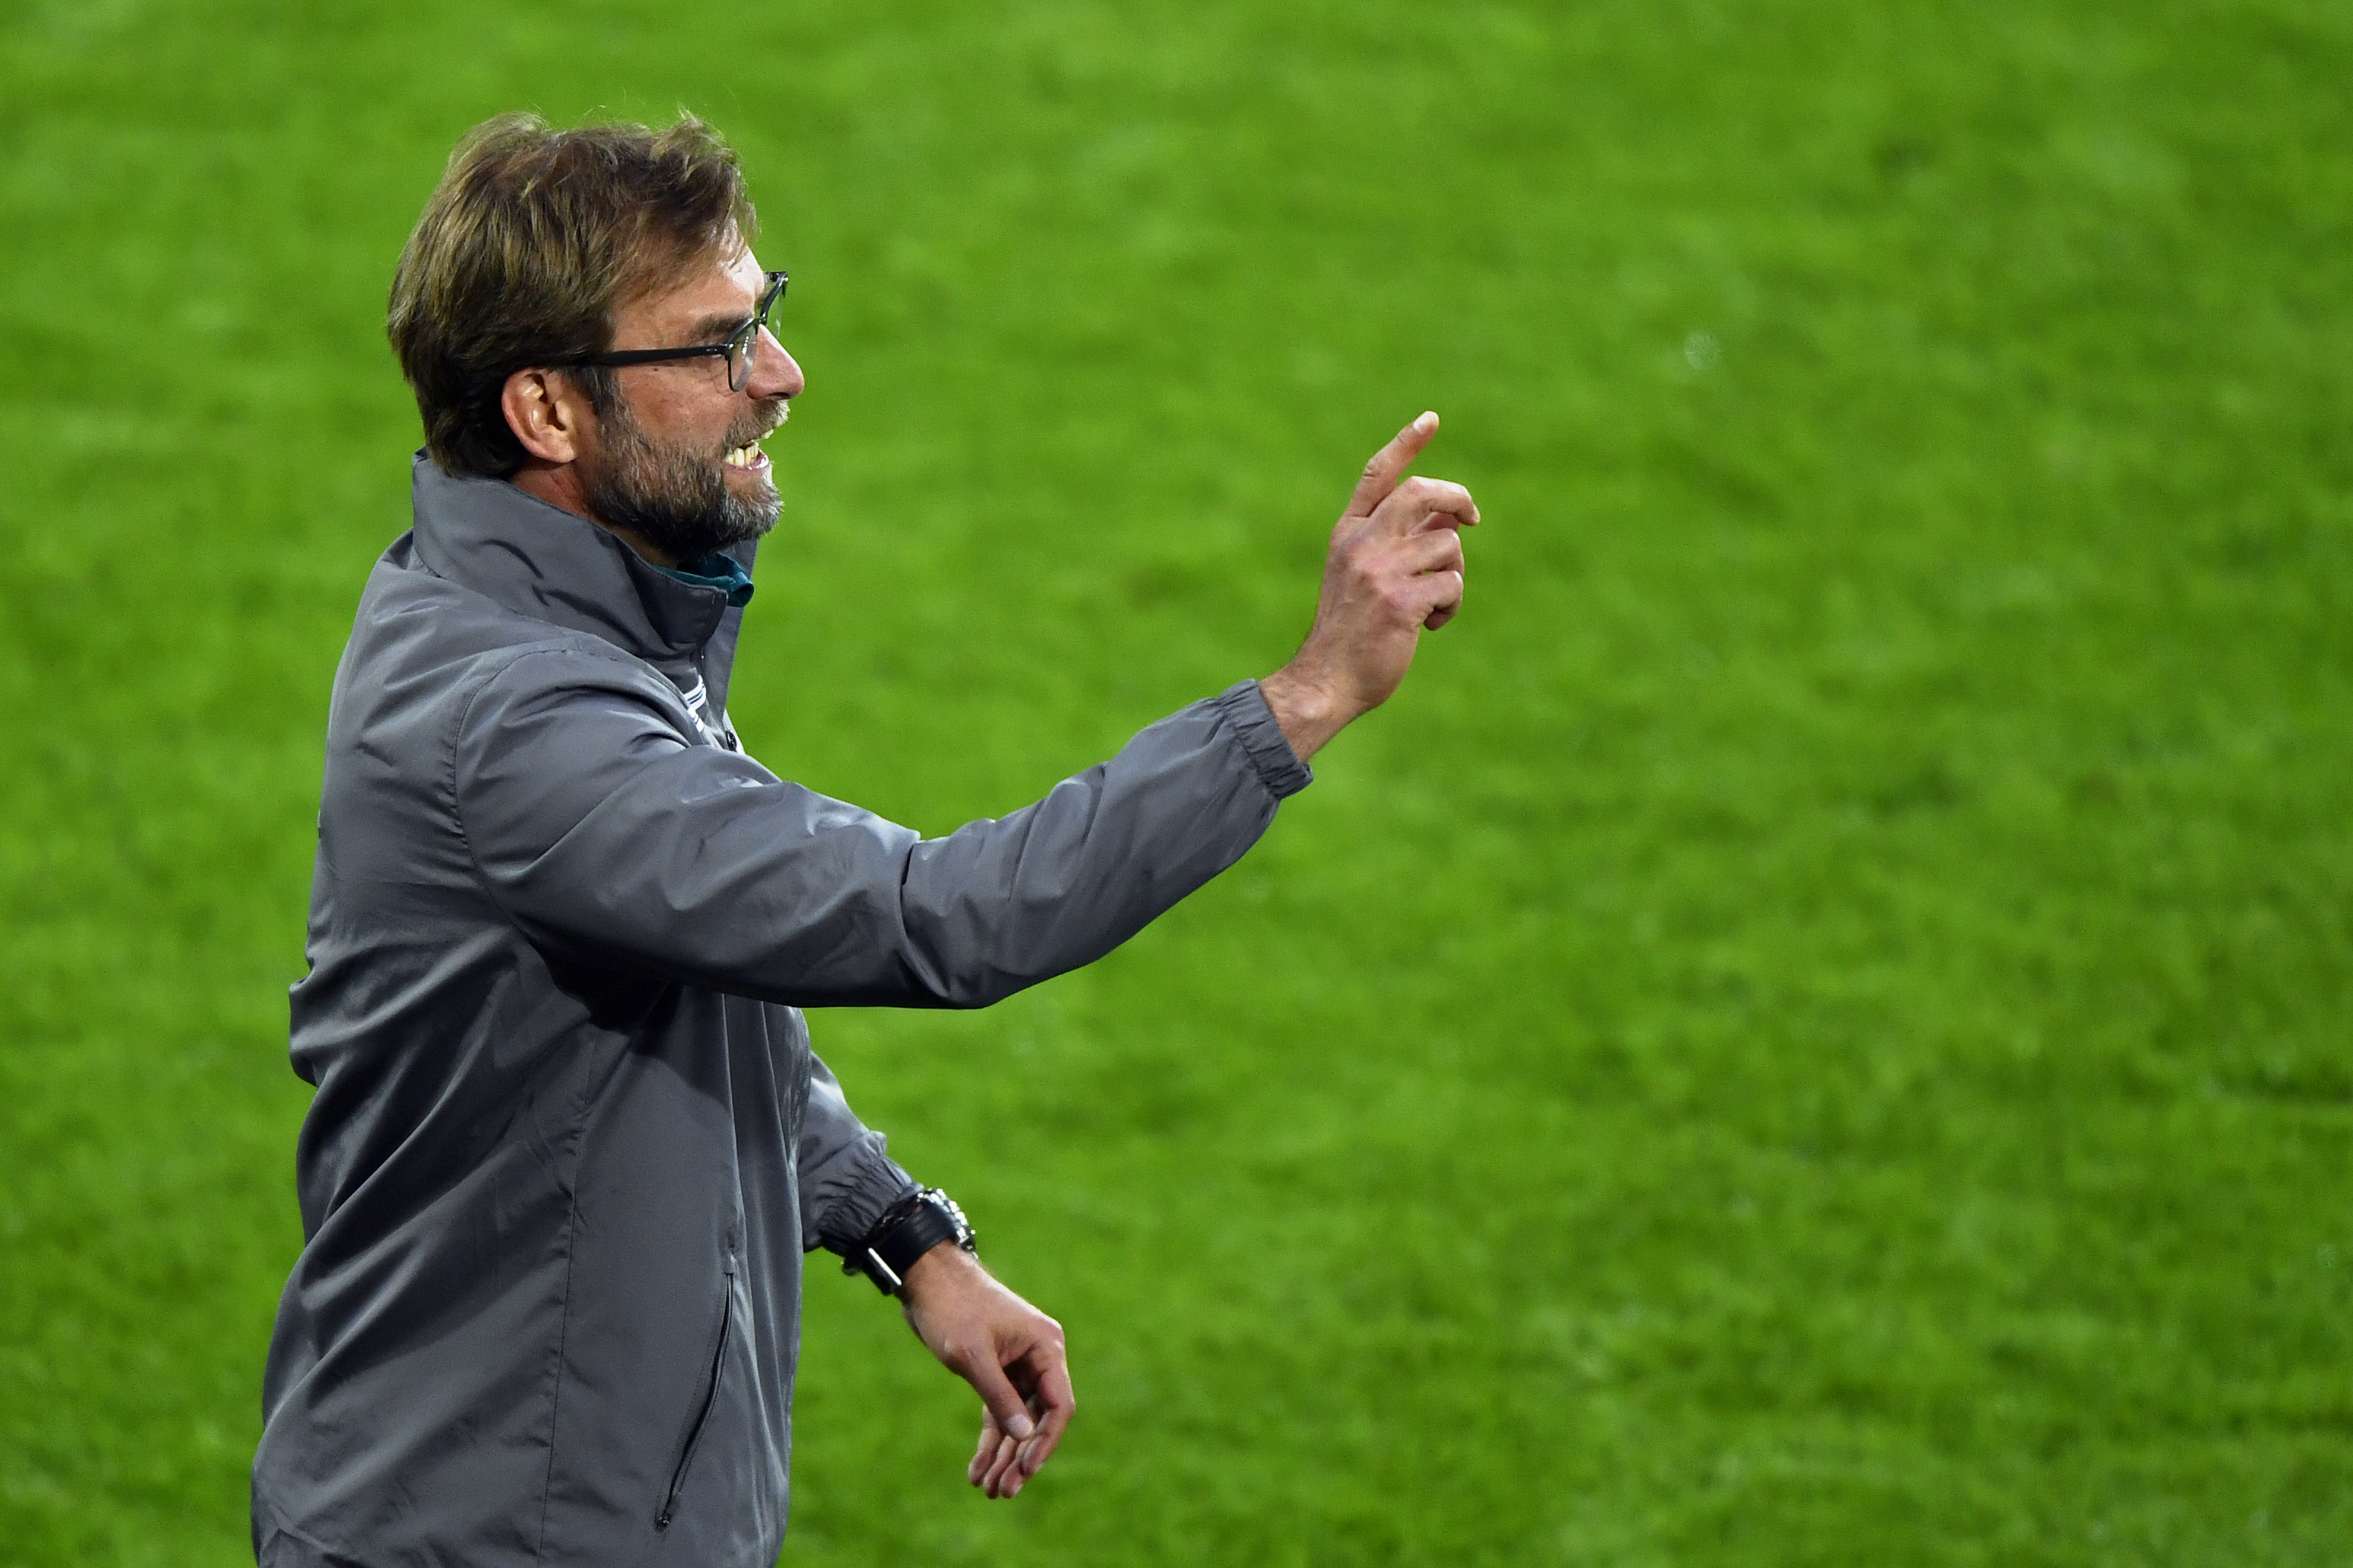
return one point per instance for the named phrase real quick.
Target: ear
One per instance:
(547, 414)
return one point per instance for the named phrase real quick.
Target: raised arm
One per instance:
(602, 828)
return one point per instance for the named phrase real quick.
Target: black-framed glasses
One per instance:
(741, 348)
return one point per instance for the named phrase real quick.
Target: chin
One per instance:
(749, 517)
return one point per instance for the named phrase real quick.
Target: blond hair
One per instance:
(532, 241)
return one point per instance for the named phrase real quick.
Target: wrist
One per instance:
(1305, 711)
(936, 1268)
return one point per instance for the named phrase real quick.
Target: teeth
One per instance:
(743, 456)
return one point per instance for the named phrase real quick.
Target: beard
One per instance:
(675, 499)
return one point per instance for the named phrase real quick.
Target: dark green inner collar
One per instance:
(718, 572)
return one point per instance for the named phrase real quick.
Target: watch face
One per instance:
(963, 1236)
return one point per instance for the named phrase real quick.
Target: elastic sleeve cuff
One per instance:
(1243, 706)
(860, 1186)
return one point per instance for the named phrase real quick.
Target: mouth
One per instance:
(748, 456)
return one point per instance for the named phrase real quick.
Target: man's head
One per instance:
(542, 248)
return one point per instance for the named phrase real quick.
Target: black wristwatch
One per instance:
(908, 1229)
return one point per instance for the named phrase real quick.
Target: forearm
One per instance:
(1000, 905)
(848, 1180)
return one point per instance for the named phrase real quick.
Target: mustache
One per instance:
(759, 420)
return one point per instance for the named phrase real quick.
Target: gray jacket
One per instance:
(569, 1141)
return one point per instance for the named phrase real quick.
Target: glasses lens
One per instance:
(739, 350)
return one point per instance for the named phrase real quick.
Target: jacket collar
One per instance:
(543, 561)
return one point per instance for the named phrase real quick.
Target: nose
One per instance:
(774, 371)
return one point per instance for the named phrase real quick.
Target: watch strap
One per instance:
(907, 1230)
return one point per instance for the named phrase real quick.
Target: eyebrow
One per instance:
(717, 328)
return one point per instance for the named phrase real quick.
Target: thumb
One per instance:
(997, 1394)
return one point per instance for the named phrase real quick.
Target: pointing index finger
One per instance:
(1381, 474)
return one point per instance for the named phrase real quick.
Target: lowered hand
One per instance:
(1010, 1351)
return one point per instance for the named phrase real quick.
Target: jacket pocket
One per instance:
(710, 1399)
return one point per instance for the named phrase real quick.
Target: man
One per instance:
(569, 1141)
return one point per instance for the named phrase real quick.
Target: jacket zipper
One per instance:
(702, 1417)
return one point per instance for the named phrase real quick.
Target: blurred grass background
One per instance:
(1817, 1029)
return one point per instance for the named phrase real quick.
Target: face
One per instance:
(675, 463)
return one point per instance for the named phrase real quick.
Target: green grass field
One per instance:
(1817, 1029)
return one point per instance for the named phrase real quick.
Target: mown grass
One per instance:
(1815, 1030)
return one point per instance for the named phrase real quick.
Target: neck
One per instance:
(558, 484)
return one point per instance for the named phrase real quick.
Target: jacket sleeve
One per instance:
(603, 831)
(846, 1181)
